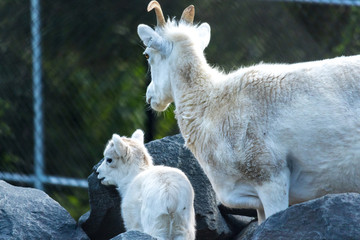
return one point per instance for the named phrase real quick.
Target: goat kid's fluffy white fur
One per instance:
(268, 135)
(157, 200)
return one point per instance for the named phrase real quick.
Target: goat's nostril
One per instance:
(149, 100)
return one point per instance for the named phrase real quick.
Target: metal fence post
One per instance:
(37, 95)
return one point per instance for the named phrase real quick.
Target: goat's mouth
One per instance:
(159, 107)
(101, 179)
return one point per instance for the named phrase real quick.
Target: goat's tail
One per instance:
(171, 224)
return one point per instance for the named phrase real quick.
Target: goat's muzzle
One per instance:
(148, 100)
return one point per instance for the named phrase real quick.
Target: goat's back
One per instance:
(164, 198)
(306, 115)
(311, 117)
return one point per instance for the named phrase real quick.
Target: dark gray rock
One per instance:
(27, 213)
(248, 232)
(103, 221)
(133, 235)
(334, 216)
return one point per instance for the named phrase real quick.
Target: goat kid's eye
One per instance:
(146, 55)
(109, 160)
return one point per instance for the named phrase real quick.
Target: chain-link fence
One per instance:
(72, 73)
(333, 2)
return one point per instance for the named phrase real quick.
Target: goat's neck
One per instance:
(192, 78)
(122, 187)
(123, 184)
(191, 91)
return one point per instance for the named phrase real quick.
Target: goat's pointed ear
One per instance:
(120, 146)
(152, 39)
(147, 34)
(138, 135)
(204, 34)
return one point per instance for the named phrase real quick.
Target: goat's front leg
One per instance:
(274, 194)
(260, 215)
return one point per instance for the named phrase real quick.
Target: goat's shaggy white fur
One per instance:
(157, 200)
(268, 135)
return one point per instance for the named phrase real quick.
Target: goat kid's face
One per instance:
(119, 158)
(167, 54)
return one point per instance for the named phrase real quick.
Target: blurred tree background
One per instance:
(95, 76)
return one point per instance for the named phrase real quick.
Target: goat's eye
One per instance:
(109, 160)
(146, 55)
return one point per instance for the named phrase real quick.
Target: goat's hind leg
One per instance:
(155, 224)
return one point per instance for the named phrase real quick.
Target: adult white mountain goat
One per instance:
(266, 136)
(157, 200)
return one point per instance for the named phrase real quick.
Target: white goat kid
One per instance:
(266, 136)
(157, 200)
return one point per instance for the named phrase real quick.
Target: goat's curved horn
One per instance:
(159, 14)
(188, 14)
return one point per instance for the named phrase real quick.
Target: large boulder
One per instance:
(334, 216)
(28, 213)
(104, 216)
(104, 220)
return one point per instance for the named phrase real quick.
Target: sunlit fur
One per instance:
(157, 200)
(267, 135)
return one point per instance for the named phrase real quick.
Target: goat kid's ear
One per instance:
(152, 39)
(138, 135)
(204, 34)
(120, 146)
